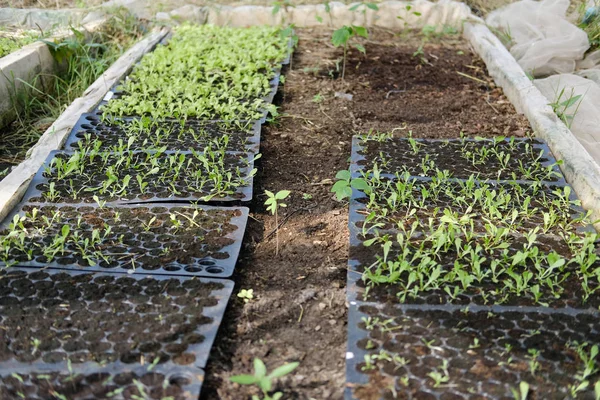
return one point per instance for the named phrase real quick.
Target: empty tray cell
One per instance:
(146, 133)
(493, 159)
(416, 354)
(162, 239)
(54, 316)
(93, 381)
(86, 176)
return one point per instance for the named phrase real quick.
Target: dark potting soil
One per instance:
(169, 176)
(299, 310)
(484, 159)
(51, 316)
(193, 135)
(91, 381)
(473, 355)
(134, 238)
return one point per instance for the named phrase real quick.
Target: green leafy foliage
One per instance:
(343, 187)
(342, 36)
(206, 72)
(263, 380)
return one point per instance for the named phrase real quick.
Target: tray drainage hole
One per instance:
(193, 269)
(207, 263)
(214, 270)
(180, 380)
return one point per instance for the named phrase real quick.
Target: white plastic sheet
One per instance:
(544, 41)
(583, 115)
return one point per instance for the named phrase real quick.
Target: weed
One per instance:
(342, 36)
(273, 203)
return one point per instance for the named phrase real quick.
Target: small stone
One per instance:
(344, 96)
(318, 328)
(332, 322)
(322, 306)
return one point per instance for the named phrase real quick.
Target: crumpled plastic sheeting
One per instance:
(583, 116)
(544, 42)
(35, 19)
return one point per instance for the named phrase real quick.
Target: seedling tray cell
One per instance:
(92, 381)
(165, 239)
(240, 139)
(53, 316)
(162, 186)
(397, 155)
(440, 354)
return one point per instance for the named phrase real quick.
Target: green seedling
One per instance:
(344, 185)
(246, 294)
(264, 381)
(522, 393)
(273, 203)
(342, 36)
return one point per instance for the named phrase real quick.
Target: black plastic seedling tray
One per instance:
(52, 316)
(357, 159)
(136, 243)
(91, 381)
(477, 354)
(91, 124)
(40, 183)
(268, 98)
(361, 256)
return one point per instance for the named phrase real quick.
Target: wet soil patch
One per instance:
(466, 355)
(166, 239)
(299, 311)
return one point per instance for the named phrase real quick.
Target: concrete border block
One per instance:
(580, 169)
(14, 185)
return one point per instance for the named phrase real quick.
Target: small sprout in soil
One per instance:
(307, 196)
(273, 203)
(440, 376)
(342, 36)
(264, 381)
(246, 294)
(522, 392)
(318, 98)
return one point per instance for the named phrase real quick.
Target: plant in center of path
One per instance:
(273, 203)
(342, 36)
(264, 381)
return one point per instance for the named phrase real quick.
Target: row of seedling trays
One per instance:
(473, 273)
(109, 286)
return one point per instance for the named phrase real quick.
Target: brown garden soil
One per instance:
(299, 312)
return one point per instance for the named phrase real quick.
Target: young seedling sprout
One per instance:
(263, 380)
(273, 203)
(342, 36)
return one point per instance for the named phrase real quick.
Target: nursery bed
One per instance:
(168, 176)
(299, 312)
(193, 135)
(488, 354)
(103, 382)
(107, 318)
(165, 239)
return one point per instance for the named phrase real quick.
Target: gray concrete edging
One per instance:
(33, 65)
(579, 168)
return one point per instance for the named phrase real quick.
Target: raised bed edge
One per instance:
(580, 169)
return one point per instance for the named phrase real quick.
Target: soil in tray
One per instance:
(469, 355)
(484, 159)
(299, 311)
(141, 239)
(462, 280)
(146, 134)
(84, 317)
(116, 177)
(144, 383)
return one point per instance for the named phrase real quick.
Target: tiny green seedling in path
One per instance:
(273, 203)
(246, 294)
(264, 381)
(342, 36)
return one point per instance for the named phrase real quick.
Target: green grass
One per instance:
(83, 63)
